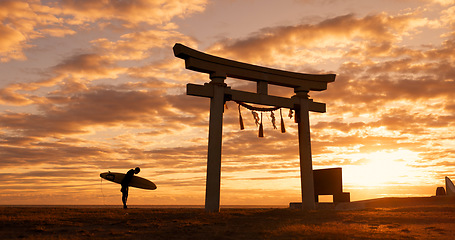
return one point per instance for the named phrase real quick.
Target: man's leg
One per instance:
(124, 196)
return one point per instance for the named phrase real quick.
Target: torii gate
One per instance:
(218, 92)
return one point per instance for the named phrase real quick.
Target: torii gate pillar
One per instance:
(306, 162)
(213, 179)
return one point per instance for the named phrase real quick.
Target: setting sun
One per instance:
(378, 169)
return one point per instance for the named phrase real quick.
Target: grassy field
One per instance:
(436, 221)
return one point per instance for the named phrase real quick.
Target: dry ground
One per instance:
(435, 221)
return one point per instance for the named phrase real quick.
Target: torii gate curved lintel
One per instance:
(218, 92)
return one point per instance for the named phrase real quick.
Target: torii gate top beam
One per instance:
(206, 63)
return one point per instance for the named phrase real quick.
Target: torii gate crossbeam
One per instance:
(218, 92)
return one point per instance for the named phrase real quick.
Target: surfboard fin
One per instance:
(450, 188)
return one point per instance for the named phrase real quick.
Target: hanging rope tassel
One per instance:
(241, 120)
(256, 117)
(283, 129)
(261, 128)
(272, 115)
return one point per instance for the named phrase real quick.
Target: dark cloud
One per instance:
(96, 107)
(87, 64)
(57, 154)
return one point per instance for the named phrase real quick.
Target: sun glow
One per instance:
(380, 168)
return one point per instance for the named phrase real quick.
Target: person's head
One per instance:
(137, 170)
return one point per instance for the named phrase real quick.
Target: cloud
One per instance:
(11, 44)
(443, 2)
(95, 107)
(9, 96)
(89, 66)
(55, 154)
(139, 45)
(376, 33)
(24, 21)
(152, 12)
(57, 32)
(60, 133)
(71, 75)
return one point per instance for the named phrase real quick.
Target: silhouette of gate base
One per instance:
(327, 181)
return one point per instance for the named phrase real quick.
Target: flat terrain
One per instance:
(384, 219)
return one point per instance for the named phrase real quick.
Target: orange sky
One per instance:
(91, 86)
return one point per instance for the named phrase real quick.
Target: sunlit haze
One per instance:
(93, 86)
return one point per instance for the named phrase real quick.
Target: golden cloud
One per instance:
(375, 34)
(138, 45)
(24, 21)
(131, 12)
(11, 44)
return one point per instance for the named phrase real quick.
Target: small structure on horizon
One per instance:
(218, 92)
(440, 191)
(448, 191)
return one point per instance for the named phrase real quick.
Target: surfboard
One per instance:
(450, 188)
(136, 181)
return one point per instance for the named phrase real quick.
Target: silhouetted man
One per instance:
(126, 182)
